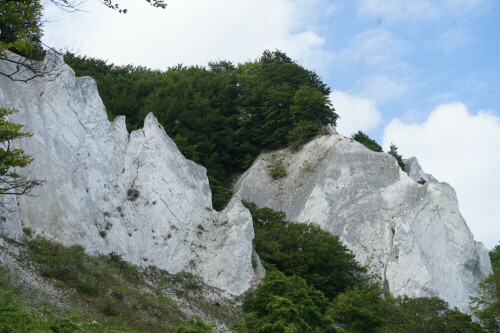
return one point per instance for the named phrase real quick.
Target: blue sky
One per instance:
(424, 74)
(423, 58)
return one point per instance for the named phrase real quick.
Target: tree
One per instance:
(394, 152)
(366, 141)
(286, 304)
(306, 251)
(486, 307)
(20, 33)
(11, 182)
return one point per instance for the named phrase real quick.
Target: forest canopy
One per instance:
(222, 115)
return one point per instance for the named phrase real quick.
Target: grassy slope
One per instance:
(46, 287)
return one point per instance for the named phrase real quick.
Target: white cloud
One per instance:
(189, 32)
(383, 88)
(418, 11)
(462, 149)
(452, 39)
(373, 47)
(356, 113)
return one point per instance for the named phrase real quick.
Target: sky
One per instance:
(422, 74)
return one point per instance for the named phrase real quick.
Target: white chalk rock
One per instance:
(411, 235)
(109, 191)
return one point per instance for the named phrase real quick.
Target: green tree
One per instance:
(394, 152)
(220, 116)
(366, 141)
(11, 182)
(486, 306)
(20, 28)
(306, 251)
(20, 32)
(283, 304)
(373, 310)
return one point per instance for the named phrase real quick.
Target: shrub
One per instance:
(287, 304)
(276, 168)
(133, 194)
(367, 142)
(196, 325)
(394, 152)
(28, 231)
(305, 250)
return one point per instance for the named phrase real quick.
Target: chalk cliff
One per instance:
(111, 191)
(409, 234)
(136, 195)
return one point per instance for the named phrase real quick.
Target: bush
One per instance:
(196, 325)
(276, 168)
(394, 152)
(284, 304)
(306, 251)
(367, 142)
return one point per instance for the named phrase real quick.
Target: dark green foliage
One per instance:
(306, 251)
(15, 318)
(275, 168)
(394, 152)
(20, 28)
(369, 310)
(109, 285)
(287, 304)
(221, 116)
(303, 131)
(367, 142)
(359, 310)
(196, 325)
(487, 305)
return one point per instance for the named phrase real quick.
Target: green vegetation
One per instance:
(196, 325)
(12, 182)
(276, 169)
(306, 251)
(394, 152)
(106, 295)
(20, 28)
(287, 304)
(367, 142)
(373, 145)
(372, 310)
(314, 285)
(220, 116)
(487, 305)
(107, 284)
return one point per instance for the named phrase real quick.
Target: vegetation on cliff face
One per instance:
(314, 285)
(100, 294)
(486, 307)
(371, 144)
(220, 116)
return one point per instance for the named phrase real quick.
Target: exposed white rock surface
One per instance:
(109, 191)
(411, 235)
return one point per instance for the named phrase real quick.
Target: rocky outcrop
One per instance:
(409, 234)
(111, 191)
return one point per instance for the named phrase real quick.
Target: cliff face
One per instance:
(135, 194)
(411, 235)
